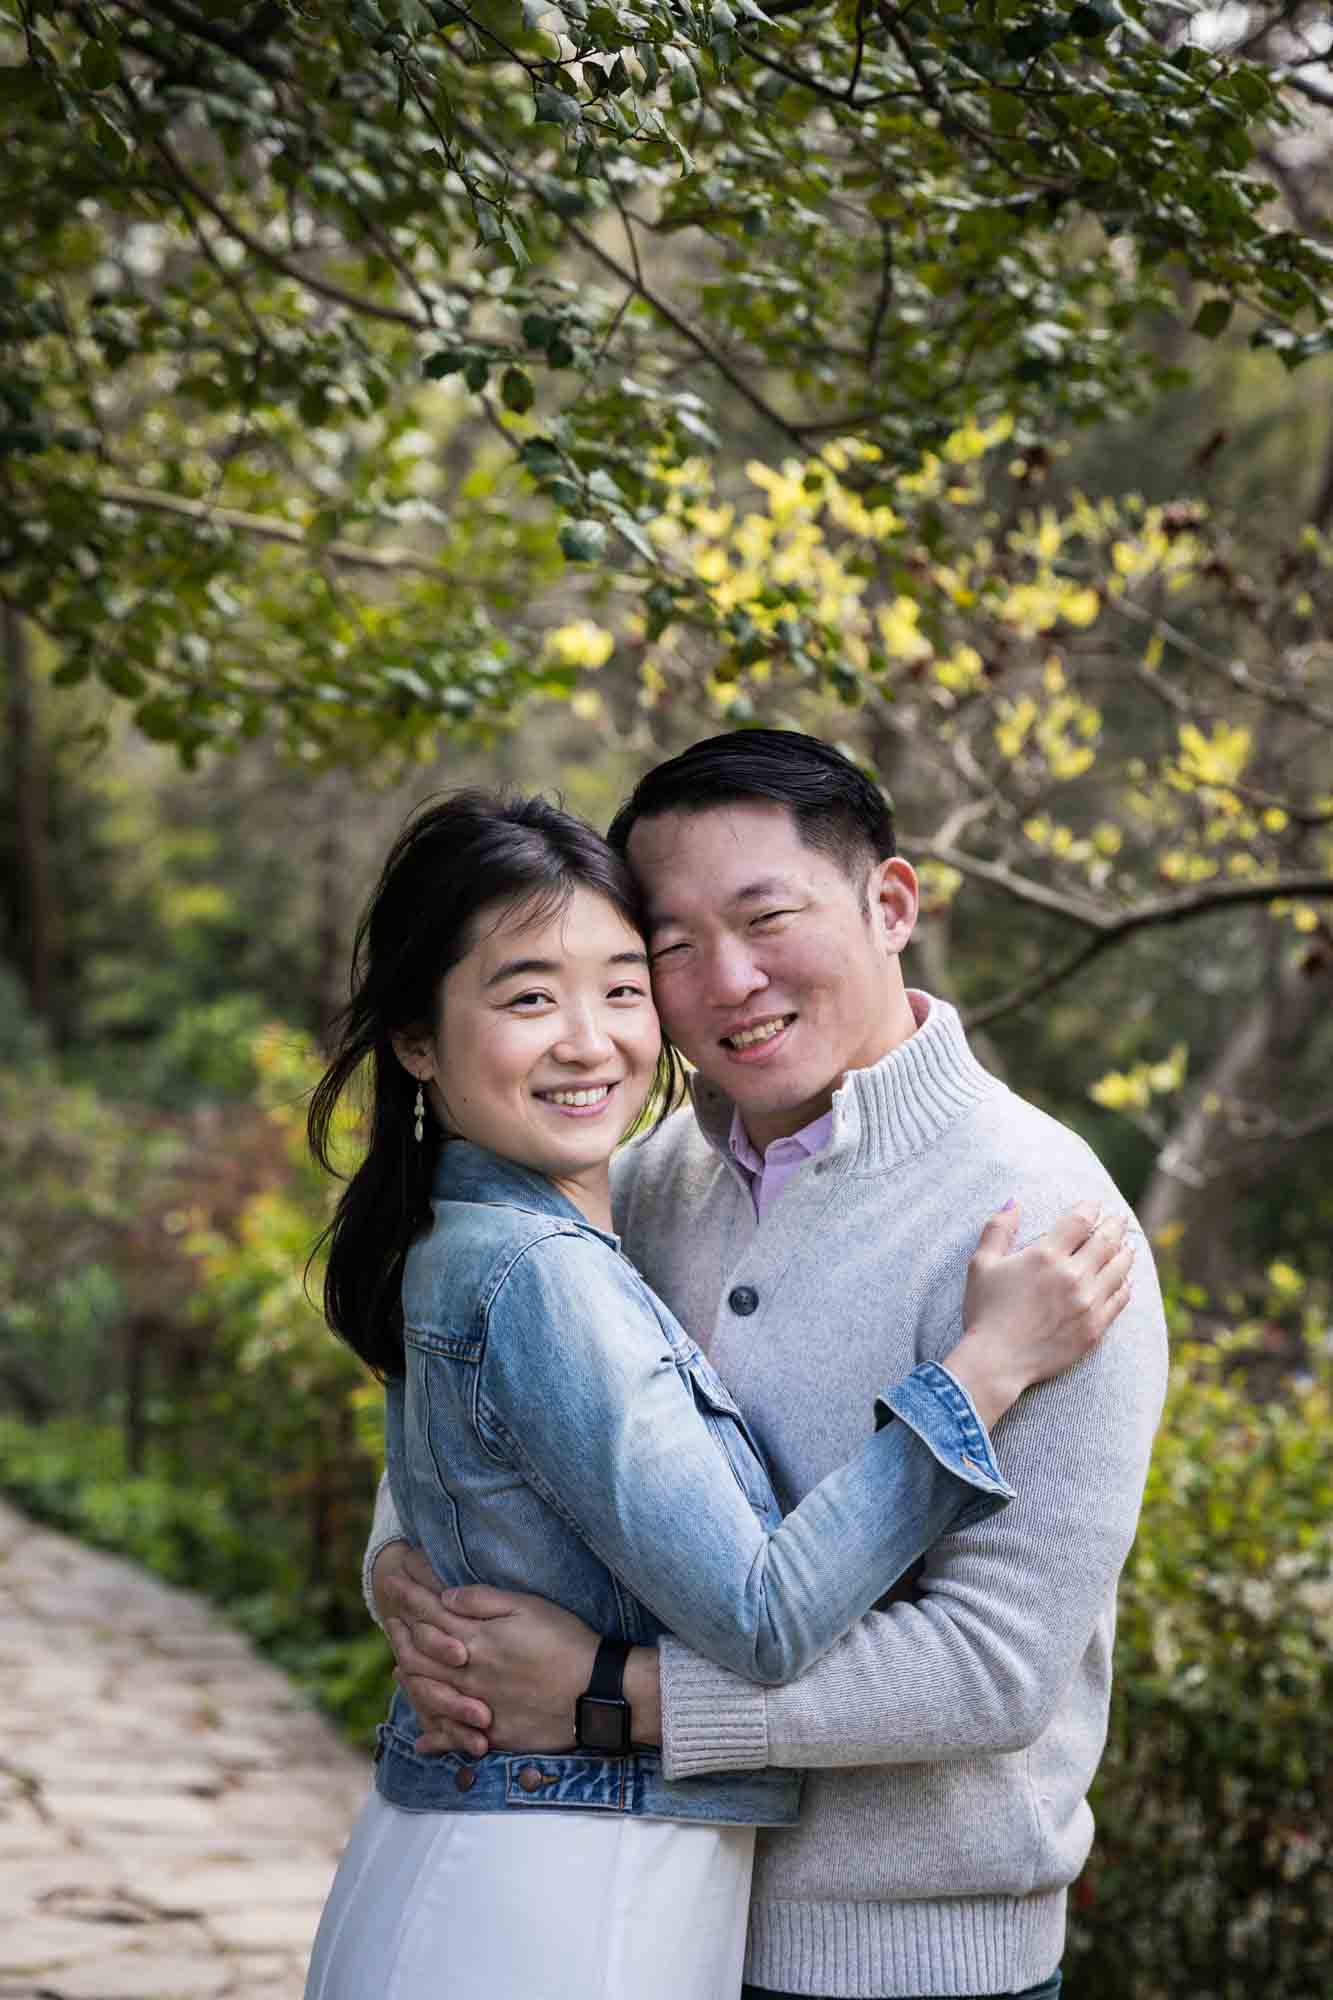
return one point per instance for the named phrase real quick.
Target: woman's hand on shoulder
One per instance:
(1032, 1313)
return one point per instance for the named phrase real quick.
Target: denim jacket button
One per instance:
(744, 1300)
(529, 1779)
(465, 1779)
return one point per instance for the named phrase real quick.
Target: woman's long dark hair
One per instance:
(454, 860)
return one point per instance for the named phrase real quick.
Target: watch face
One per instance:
(602, 1725)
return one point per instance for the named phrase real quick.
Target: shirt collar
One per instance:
(811, 1139)
(888, 1113)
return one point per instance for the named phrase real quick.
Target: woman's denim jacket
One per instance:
(558, 1431)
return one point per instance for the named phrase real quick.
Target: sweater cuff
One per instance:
(712, 1720)
(385, 1528)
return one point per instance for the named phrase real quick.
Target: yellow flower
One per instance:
(1285, 1279)
(1080, 607)
(1218, 759)
(581, 644)
(898, 623)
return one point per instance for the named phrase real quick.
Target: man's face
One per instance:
(772, 971)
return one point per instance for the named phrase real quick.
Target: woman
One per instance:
(551, 1427)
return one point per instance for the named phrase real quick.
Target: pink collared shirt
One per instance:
(769, 1175)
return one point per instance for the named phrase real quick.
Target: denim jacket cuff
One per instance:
(938, 1408)
(711, 1719)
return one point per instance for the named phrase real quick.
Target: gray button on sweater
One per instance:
(950, 1741)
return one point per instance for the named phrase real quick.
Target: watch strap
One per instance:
(607, 1682)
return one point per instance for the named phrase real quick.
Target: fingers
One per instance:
(404, 1597)
(1113, 1277)
(437, 1704)
(481, 1600)
(1101, 1246)
(426, 1642)
(1000, 1233)
(1072, 1231)
(1112, 1309)
(451, 1742)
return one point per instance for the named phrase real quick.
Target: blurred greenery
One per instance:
(1212, 1872)
(905, 420)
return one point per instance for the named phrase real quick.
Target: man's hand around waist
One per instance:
(495, 1669)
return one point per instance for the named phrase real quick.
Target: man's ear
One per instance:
(416, 1055)
(895, 900)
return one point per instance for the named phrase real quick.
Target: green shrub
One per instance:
(1212, 1873)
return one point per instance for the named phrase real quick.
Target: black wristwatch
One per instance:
(602, 1714)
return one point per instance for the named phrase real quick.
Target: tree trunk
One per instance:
(34, 908)
(1218, 1147)
(330, 985)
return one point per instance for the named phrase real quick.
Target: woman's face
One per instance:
(547, 1039)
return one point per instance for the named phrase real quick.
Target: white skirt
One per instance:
(533, 1906)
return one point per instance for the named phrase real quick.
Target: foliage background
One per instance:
(402, 395)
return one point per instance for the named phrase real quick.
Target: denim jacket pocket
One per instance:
(733, 1436)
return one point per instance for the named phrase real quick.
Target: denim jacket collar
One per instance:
(466, 1172)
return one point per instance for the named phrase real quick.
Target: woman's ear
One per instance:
(416, 1056)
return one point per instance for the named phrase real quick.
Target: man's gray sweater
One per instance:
(950, 1741)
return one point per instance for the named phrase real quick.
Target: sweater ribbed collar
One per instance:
(895, 1109)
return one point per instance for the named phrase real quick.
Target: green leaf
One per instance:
(516, 390)
(158, 720)
(583, 541)
(1214, 317)
(554, 108)
(99, 64)
(436, 366)
(121, 677)
(1252, 89)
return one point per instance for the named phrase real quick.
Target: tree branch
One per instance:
(1105, 928)
(352, 555)
(239, 47)
(322, 287)
(702, 347)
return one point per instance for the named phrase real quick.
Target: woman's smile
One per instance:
(584, 1100)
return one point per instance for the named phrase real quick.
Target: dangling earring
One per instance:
(419, 1115)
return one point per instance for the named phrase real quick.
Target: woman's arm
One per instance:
(589, 1405)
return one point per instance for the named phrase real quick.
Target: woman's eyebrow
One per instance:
(547, 968)
(514, 968)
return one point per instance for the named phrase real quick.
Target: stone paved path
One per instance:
(170, 1808)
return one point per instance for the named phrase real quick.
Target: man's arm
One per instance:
(979, 1662)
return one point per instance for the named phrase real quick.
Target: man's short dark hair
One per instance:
(838, 810)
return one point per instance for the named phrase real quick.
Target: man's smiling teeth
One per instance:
(578, 1097)
(764, 1033)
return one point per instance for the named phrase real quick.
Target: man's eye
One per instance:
(666, 951)
(771, 916)
(528, 1000)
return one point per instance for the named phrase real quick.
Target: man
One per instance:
(810, 1219)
